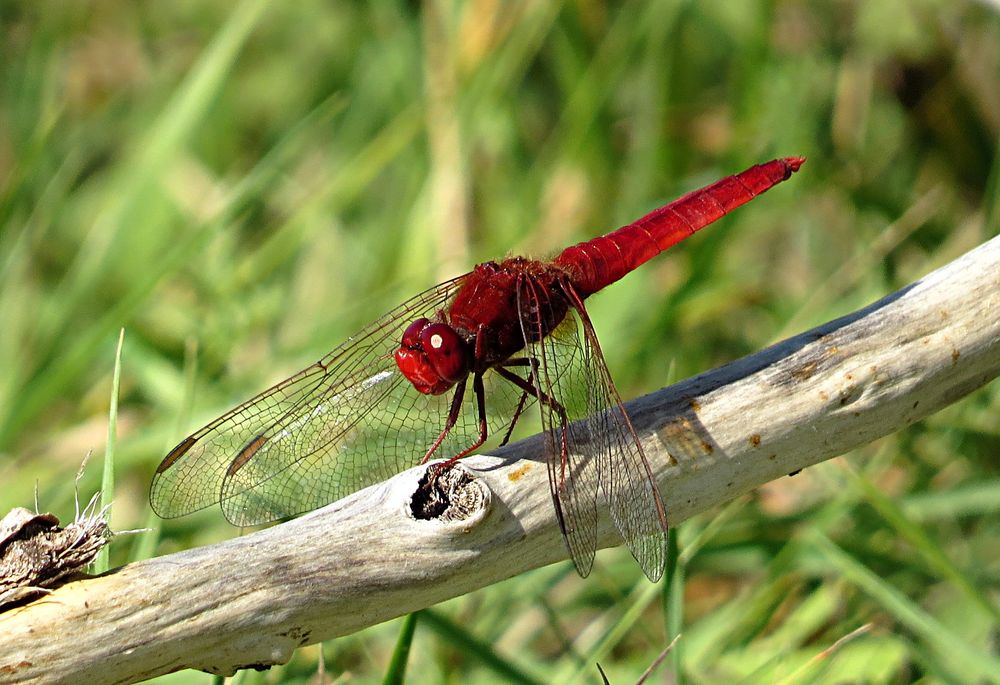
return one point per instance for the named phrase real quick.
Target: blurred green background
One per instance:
(242, 185)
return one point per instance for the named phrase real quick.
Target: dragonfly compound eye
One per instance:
(446, 351)
(411, 336)
(432, 356)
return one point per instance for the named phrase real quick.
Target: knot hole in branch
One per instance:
(449, 492)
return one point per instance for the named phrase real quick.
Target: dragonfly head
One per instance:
(432, 356)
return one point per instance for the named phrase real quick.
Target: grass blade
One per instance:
(396, 673)
(108, 474)
(951, 649)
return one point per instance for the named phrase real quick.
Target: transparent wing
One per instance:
(590, 440)
(348, 421)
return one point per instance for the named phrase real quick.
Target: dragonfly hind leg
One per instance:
(522, 361)
(529, 389)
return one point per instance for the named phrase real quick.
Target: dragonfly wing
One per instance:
(558, 375)
(345, 422)
(626, 477)
(190, 476)
(600, 450)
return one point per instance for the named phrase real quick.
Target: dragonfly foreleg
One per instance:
(480, 392)
(453, 412)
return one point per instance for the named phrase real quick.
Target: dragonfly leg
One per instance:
(522, 361)
(480, 392)
(551, 403)
(456, 407)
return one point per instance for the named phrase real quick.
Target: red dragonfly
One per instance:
(518, 329)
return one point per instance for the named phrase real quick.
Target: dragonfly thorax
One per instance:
(433, 356)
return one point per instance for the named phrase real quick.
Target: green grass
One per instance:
(241, 185)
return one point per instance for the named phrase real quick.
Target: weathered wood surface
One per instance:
(254, 599)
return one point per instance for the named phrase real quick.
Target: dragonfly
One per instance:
(445, 370)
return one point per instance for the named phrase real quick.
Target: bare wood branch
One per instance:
(254, 599)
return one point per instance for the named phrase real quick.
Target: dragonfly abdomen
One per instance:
(597, 263)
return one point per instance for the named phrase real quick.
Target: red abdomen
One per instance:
(597, 263)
